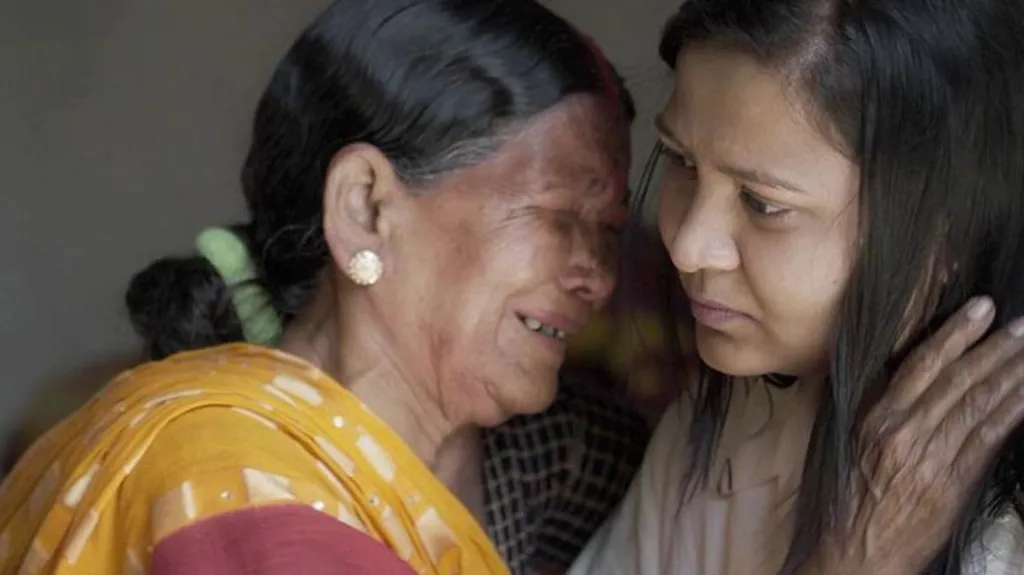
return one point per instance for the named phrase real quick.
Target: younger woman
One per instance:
(839, 177)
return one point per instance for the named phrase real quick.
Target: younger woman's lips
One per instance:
(714, 315)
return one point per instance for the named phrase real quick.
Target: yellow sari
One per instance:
(203, 434)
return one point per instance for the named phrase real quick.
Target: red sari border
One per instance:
(282, 539)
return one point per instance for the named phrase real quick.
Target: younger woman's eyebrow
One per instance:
(749, 174)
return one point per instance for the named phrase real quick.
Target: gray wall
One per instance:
(122, 128)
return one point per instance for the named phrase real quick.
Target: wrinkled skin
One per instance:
(926, 444)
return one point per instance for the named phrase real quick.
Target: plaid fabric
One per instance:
(553, 478)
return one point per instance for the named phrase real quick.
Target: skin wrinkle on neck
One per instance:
(364, 364)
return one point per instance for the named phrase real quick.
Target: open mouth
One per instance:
(535, 325)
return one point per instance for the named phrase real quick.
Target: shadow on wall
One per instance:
(58, 398)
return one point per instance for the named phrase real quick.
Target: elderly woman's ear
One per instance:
(363, 197)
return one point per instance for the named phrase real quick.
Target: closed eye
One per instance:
(613, 230)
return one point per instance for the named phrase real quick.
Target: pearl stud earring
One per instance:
(364, 268)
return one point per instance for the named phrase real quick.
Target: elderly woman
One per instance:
(839, 179)
(436, 191)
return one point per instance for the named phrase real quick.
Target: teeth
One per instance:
(536, 325)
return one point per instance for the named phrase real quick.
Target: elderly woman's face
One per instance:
(506, 259)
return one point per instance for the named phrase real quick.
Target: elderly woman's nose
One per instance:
(591, 270)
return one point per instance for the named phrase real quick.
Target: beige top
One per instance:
(742, 523)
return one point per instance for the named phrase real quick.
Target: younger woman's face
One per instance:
(759, 214)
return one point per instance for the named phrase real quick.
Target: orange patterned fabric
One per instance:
(201, 434)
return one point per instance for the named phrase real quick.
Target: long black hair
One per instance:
(927, 96)
(431, 83)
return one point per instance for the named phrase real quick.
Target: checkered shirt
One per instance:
(552, 478)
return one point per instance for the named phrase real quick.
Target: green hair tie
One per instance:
(229, 255)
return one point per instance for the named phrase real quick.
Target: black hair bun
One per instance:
(180, 304)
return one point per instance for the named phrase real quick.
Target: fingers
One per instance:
(996, 408)
(928, 360)
(970, 387)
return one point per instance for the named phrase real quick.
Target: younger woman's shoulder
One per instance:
(760, 420)
(1001, 548)
(664, 461)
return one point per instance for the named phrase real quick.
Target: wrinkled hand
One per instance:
(925, 445)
